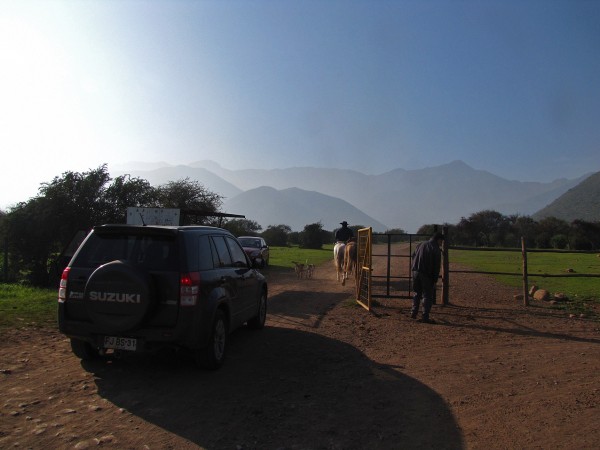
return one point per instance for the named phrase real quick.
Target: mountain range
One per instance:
(399, 198)
(580, 202)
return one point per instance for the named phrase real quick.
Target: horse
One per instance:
(349, 259)
(338, 258)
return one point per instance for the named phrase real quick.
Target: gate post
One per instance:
(525, 274)
(445, 268)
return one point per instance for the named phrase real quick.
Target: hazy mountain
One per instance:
(581, 202)
(399, 198)
(297, 208)
(140, 165)
(408, 198)
(164, 174)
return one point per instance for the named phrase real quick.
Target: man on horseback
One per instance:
(341, 236)
(344, 233)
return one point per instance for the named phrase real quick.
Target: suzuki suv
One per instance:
(141, 288)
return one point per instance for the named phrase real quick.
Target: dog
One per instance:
(299, 268)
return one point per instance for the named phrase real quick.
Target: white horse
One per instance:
(338, 259)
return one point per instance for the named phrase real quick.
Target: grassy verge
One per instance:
(27, 307)
(581, 291)
(282, 257)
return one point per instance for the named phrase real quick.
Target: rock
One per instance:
(109, 438)
(541, 294)
(532, 289)
(561, 297)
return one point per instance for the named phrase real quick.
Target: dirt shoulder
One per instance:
(325, 374)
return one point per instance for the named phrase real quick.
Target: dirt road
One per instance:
(325, 374)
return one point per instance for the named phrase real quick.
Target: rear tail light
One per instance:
(189, 288)
(62, 289)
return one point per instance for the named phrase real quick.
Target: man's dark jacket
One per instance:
(343, 234)
(427, 259)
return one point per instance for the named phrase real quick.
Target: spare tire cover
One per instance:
(118, 296)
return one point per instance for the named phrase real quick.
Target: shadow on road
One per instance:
(281, 389)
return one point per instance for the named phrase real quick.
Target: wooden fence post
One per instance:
(525, 280)
(445, 268)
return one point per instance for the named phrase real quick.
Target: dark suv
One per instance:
(141, 288)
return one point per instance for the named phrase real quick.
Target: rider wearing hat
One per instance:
(344, 233)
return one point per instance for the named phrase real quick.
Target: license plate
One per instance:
(120, 343)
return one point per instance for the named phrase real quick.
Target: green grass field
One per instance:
(578, 289)
(27, 307)
(282, 257)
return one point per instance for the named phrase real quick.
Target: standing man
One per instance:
(344, 233)
(427, 261)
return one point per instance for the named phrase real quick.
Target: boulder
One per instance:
(561, 297)
(532, 289)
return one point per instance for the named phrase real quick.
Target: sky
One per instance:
(511, 87)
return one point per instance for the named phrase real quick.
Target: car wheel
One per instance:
(212, 356)
(118, 296)
(258, 322)
(84, 350)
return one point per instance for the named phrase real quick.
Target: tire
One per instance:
(133, 296)
(212, 356)
(258, 322)
(84, 350)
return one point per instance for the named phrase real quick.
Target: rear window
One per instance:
(250, 242)
(151, 252)
(223, 256)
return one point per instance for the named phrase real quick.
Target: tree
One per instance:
(559, 241)
(552, 232)
(40, 229)
(487, 228)
(294, 238)
(428, 230)
(277, 235)
(243, 227)
(29, 242)
(521, 227)
(125, 192)
(190, 196)
(396, 235)
(584, 235)
(313, 236)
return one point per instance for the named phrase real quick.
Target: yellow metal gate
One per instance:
(364, 268)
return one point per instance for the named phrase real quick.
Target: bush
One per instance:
(313, 236)
(559, 241)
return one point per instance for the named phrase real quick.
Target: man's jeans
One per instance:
(424, 288)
